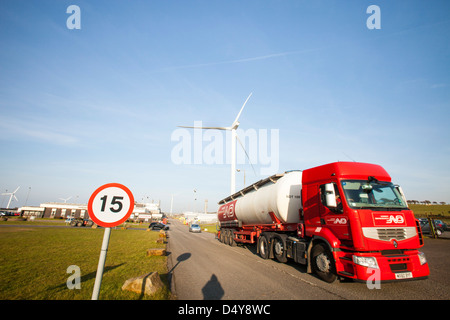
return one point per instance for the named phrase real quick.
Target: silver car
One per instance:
(195, 228)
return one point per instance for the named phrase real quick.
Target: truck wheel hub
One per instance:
(278, 248)
(322, 262)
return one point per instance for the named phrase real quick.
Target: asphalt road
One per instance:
(202, 268)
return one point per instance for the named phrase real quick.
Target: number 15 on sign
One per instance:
(111, 205)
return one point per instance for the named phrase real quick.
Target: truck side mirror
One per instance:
(402, 194)
(330, 196)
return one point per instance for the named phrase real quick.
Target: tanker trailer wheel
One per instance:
(232, 242)
(279, 249)
(322, 263)
(263, 247)
(228, 236)
(225, 236)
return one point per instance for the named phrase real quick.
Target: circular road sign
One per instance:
(110, 205)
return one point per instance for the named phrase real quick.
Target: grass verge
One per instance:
(34, 262)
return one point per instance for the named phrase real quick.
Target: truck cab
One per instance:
(359, 225)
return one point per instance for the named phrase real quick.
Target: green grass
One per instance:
(209, 228)
(432, 211)
(34, 262)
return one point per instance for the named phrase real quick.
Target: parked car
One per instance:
(441, 224)
(158, 226)
(195, 228)
(426, 228)
(79, 222)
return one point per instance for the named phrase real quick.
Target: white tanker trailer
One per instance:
(277, 196)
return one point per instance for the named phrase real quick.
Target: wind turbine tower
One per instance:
(234, 137)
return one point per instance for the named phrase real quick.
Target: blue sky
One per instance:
(81, 108)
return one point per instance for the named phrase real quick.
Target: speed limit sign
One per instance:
(110, 205)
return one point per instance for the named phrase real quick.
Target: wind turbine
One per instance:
(11, 195)
(234, 137)
(65, 200)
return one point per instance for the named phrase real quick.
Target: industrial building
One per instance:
(142, 211)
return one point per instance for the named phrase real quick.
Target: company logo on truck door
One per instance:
(337, 220)
(226, 212)
(383, 219)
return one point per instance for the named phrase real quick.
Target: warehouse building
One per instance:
(56, 210)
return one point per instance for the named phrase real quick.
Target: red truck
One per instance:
(343, 219)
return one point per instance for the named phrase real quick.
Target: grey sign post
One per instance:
(101, 264)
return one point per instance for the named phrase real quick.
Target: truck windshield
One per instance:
(372, 194)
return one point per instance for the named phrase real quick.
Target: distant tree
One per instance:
(442, 202)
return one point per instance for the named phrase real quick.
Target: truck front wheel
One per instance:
(322, 263)
(279, 249)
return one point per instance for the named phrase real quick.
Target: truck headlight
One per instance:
(422, 258)
(370, 262)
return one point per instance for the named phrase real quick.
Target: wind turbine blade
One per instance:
(239, 140)
(15, 197)
(239, 114)
(16, 190)
(217, 128)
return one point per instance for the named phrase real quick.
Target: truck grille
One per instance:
(386, 234)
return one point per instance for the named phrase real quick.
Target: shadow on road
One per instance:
(212, 289)
(182, 257)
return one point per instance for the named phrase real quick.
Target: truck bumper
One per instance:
(396, 267)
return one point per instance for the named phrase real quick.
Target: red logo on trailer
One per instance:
(227, 211)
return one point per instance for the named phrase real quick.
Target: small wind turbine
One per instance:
(11, 195)
(65, 200)
(234, 137)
